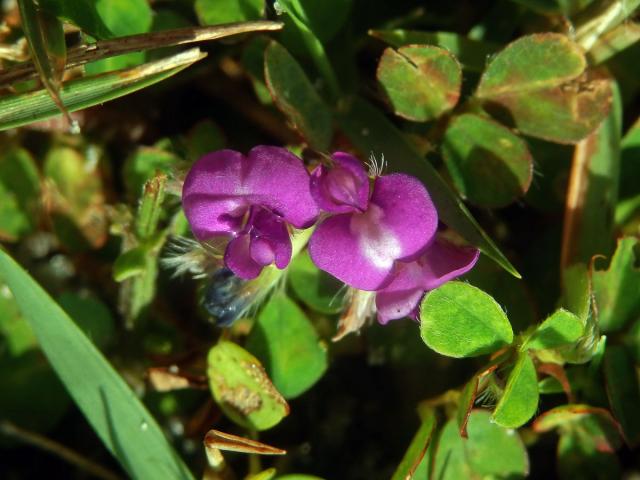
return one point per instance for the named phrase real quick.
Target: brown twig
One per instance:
(65, 453)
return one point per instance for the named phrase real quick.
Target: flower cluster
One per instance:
(375, 234)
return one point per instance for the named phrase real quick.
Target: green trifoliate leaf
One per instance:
(519, 401)
(491, 451)
(489, 164)
(539, 85)
(560, 328)
(242, 388)
(459, 320)
(283, 336)
(422, 82)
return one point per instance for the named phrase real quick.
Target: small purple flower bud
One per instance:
(343, 188)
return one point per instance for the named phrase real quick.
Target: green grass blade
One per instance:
(115, 413)
(23, 108)
(45, 35)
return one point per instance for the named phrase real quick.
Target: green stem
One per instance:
(599, 18)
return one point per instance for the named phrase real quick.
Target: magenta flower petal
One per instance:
(238, 259)
(262, 251)
(270, 241)
(360, 248)
(210, 196)
(222, 186)
(266, 241)
(335, 248)
(343, 188)
(280, 182)
(408, 214)
(401, 297)
(443, 261)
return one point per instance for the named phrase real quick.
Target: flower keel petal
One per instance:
(238, 258)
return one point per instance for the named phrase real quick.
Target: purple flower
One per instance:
(441, 262)
(374, 223)
(250, 200)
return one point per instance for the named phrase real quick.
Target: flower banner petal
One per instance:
(222, 186)
(210, 196)
(279, 181)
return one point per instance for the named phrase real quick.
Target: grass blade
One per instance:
(45, 35)
(23, 108)
(141, 42)
(126, 428)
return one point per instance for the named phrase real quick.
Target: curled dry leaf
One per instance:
(215, 441)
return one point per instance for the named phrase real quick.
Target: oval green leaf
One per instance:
(296, 97)
(539, 85)
(489, 165)
(519, 401)
(242, 388)
(560, 328)
(459, 320)
(122, 17)
(471, 53)
(530, 64)
(317, 289)
(283, 336)
(422, 82)
(19, 193)
(490, 451)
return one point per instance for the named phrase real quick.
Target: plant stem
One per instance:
(11, 430)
